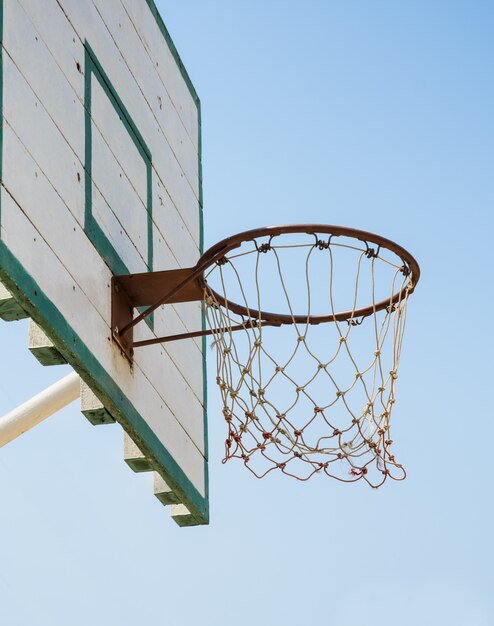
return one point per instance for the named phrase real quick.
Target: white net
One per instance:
(301, 398)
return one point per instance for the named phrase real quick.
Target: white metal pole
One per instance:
(38, 408)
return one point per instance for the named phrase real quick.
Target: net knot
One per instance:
(377, 353)
(321, 366)
(297, 433)
(322, 245)
(222, 261)
(278, 369)
(267, 435)
(336, 432)
(263, 248)
(340, 393)
(301, 338)
(371, 253)
(318, 409)
(342, 339)
(393, 374)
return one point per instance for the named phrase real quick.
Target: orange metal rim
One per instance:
(222, 248)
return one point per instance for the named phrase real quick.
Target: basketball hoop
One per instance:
(301, 398)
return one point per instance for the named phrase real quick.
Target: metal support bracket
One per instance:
(132, 291)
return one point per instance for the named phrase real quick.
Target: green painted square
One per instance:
(92, 67)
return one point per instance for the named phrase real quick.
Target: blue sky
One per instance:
(373, 115)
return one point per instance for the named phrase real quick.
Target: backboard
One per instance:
(101, 176)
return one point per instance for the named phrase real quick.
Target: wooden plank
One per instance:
(92, 408)
(42, 347)
(181, 515)
(134, 458)
(163, 491)
(10, 310)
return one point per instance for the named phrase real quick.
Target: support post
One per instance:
(38, 408)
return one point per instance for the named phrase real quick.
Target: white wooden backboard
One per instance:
(101, 175)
